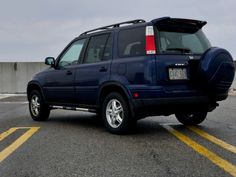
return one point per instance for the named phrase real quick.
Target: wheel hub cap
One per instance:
(114, 113)
(35, 105)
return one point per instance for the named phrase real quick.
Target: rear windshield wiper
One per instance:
(182, 50)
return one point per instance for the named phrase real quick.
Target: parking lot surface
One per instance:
(76, 144)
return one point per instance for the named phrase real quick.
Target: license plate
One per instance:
(178, 74)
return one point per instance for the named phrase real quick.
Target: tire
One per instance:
(39, 111)
(116, 114)
(192, 118)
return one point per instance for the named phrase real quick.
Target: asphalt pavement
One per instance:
(76, 144)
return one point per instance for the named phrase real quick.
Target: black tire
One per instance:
(128, 122)
(43, 109)
(191, 118)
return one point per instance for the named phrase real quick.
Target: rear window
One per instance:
(183, 42)
(131, 42)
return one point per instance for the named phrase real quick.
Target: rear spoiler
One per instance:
(178, 24)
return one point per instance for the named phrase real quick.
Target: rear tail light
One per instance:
(150, 41)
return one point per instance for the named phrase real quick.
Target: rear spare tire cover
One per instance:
(216, 70)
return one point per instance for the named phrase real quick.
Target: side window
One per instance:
(72, 54)
(95, 49)
(131, 42)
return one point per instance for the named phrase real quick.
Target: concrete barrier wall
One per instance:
(15, 76)
(234, 83)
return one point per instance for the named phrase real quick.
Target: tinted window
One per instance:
(72, 54)
(183, 42)
(95, 50)
(131, 42)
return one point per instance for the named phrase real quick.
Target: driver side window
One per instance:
(71, 55)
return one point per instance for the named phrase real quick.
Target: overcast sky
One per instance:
(32, 30)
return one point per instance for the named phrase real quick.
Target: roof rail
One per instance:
(115, 25)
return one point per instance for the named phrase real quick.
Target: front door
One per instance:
(59, 83)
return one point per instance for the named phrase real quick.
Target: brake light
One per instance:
(150, 41)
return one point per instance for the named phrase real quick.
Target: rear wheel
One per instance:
(39, 110)
(191, 118)
(116, 114)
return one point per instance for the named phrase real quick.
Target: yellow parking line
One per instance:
(17, 143)
(217, 160)
(23, 127)
(213, 139)
(7, 133)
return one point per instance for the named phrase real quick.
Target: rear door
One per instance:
(94, 69)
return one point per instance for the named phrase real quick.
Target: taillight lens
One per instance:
(150, 41)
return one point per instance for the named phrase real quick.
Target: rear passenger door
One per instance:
(94, 69)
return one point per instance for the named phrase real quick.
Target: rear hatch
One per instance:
(180, 44)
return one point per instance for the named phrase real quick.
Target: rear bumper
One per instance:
(169, 101)
(167, 106)
(159, 100)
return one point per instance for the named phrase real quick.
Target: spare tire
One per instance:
(216, 71)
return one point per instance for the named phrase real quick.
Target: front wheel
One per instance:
(39, 110)
(191, 118)
(116, 114)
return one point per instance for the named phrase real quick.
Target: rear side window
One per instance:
(131, 42)
(96, 49)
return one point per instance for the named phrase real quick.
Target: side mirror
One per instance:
(50, 61)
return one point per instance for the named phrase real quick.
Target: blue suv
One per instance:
(130, 70)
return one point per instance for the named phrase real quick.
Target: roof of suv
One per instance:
(161, 23)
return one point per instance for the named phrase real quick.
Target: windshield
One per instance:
(179, 42)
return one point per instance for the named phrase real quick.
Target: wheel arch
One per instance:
(34, 86)
(109, 87)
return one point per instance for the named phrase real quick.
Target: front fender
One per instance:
(34, 85)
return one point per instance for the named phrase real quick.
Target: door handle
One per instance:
(68, 73)
(103, 69)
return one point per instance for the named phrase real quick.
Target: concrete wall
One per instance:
(234, 83)
(15, 76)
